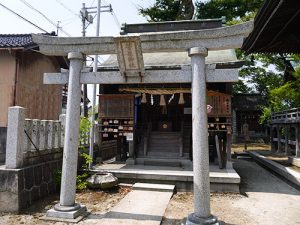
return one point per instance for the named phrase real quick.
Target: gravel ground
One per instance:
(98, 202)
(265, 200)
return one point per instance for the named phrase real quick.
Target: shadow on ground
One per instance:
(255, 178)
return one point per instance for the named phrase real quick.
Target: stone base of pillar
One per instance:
(195, 220)
(67, 213)
(130, 161)
(294, 161)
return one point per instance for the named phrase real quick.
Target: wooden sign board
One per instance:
(116, 106)
(220, 102)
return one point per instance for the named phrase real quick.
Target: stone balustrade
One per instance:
(287, 116)
(32, 141)
(285, 133)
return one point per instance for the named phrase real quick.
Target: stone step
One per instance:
(163, 141)
(161, 162)
(163, 149)
(164, 155)
(153, 187)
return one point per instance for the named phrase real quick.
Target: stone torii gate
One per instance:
(129, 50)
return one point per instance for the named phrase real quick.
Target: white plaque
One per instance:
(129, 137)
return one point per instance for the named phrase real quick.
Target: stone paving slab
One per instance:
(140, 207)
(286, 172)
(153, 187)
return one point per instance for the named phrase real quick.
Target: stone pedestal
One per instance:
(67, 208)
(201, 213)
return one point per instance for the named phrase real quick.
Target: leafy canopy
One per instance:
(169, 10)
(270, 75)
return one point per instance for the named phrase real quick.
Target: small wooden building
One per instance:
(247, 109)
(157, 118)
(21, 81)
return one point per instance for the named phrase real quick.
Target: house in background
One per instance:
(21, 81)
(246, 108)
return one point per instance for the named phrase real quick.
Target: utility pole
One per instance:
(58, 27)
(86, 16)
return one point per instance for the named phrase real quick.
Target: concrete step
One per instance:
(161, 162)
(153, 187)
(164, 142)
(163, 148)
(139, 207)
(164, 155)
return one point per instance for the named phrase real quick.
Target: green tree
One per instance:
(169, 10)
(231, 9)
(270, 75)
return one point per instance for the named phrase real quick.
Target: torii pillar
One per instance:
(201, 213)
(67, 208)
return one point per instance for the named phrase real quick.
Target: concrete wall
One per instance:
(20, 188)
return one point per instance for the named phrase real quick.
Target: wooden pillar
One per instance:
(298, 141)
(286, 139)
(272, 138)
(278, 139)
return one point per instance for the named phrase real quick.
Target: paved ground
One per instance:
(272, 200)
(266, 200)
(144, 205)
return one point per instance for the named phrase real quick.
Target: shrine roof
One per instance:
(276, 28)
(179, 59)
(248, 102)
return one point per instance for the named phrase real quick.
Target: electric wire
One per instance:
(117, 22)
(67, 8)
(43, 15)
(23, 18)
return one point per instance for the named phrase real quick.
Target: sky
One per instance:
(67, 12)
(125, 11)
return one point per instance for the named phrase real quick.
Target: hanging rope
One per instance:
(156, 91)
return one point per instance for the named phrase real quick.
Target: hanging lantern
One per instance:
(181, 99)
(162, 101)
(144, 98)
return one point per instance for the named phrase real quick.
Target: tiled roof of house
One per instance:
(16, 40)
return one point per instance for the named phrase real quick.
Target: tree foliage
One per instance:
(231, 9)
(270, 75)
(169, 10)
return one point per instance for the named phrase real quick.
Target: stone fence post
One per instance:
(15, 137)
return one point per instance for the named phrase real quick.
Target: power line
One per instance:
(23, 18)
(43, 15)
(117, 22)
(67, 8)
